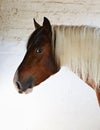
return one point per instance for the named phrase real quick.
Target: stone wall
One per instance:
(16, 16)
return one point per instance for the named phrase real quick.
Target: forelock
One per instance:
(33, 37)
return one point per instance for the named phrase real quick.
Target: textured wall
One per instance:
(16, 15)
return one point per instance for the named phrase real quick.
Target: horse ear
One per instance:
(36, 24)
(46, 24)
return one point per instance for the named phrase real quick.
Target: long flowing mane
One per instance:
(78, 47)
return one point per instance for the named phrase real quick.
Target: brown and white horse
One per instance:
(50, 47)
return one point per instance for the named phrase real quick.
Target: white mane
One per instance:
(78, 47)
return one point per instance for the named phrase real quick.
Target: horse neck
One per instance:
(78, 48)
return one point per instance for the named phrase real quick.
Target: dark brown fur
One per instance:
(39, 62)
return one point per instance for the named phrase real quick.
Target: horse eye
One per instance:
(39, 50)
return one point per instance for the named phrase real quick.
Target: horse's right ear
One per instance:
(46, 24)
(36, 24)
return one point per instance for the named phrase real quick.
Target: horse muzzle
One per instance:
(23, 86)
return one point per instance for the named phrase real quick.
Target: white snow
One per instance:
(63, 102)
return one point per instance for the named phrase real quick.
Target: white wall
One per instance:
(16, 15)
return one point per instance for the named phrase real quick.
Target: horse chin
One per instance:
(29, 90)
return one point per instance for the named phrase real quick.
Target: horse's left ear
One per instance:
(36, 24)
(46, 24)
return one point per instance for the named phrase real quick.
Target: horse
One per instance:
(51, 46)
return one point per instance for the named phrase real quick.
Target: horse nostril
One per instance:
(19, 86)
(23, 86)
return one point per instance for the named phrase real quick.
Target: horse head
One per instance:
(39, 61)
